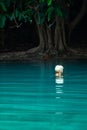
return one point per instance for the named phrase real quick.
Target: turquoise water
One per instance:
(31, 99)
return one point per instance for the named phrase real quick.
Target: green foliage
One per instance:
(42, 10)
(41, 1)
(59, 12)
(49, 12)
(49, 2)
(2, 21)
(2, 6)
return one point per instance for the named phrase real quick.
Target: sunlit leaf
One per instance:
(49, 2)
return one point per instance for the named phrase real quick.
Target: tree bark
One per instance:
(60, 42)
(49, 39)
(42, 37)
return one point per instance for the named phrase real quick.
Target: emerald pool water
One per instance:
(31, 98)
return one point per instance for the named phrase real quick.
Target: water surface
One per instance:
(31, 99)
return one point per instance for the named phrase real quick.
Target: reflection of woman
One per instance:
(59, 80)
(58, 70)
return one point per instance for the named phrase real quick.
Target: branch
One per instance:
(17, 26)
(34, 8)
(79, 16)
(14, 18)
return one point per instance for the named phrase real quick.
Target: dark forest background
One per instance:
(25, 37)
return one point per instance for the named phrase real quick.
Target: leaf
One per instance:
(41, 0)
(11, 16)
(49, 2)
(59, 12)
(7, 3)
(16, 13)
(2, 6)
(20, 17)
(2, 21)
(50, 12)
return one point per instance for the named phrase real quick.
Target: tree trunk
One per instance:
(42, 37)
(46, 37)
(57, 40)
(49, 38)
(60, 42)
(42, 40)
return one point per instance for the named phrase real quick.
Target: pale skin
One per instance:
(58, 74)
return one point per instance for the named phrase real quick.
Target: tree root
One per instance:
(33, 50)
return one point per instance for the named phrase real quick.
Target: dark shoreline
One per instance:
(24, 56)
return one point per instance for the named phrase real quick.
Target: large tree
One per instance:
(51, 18)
